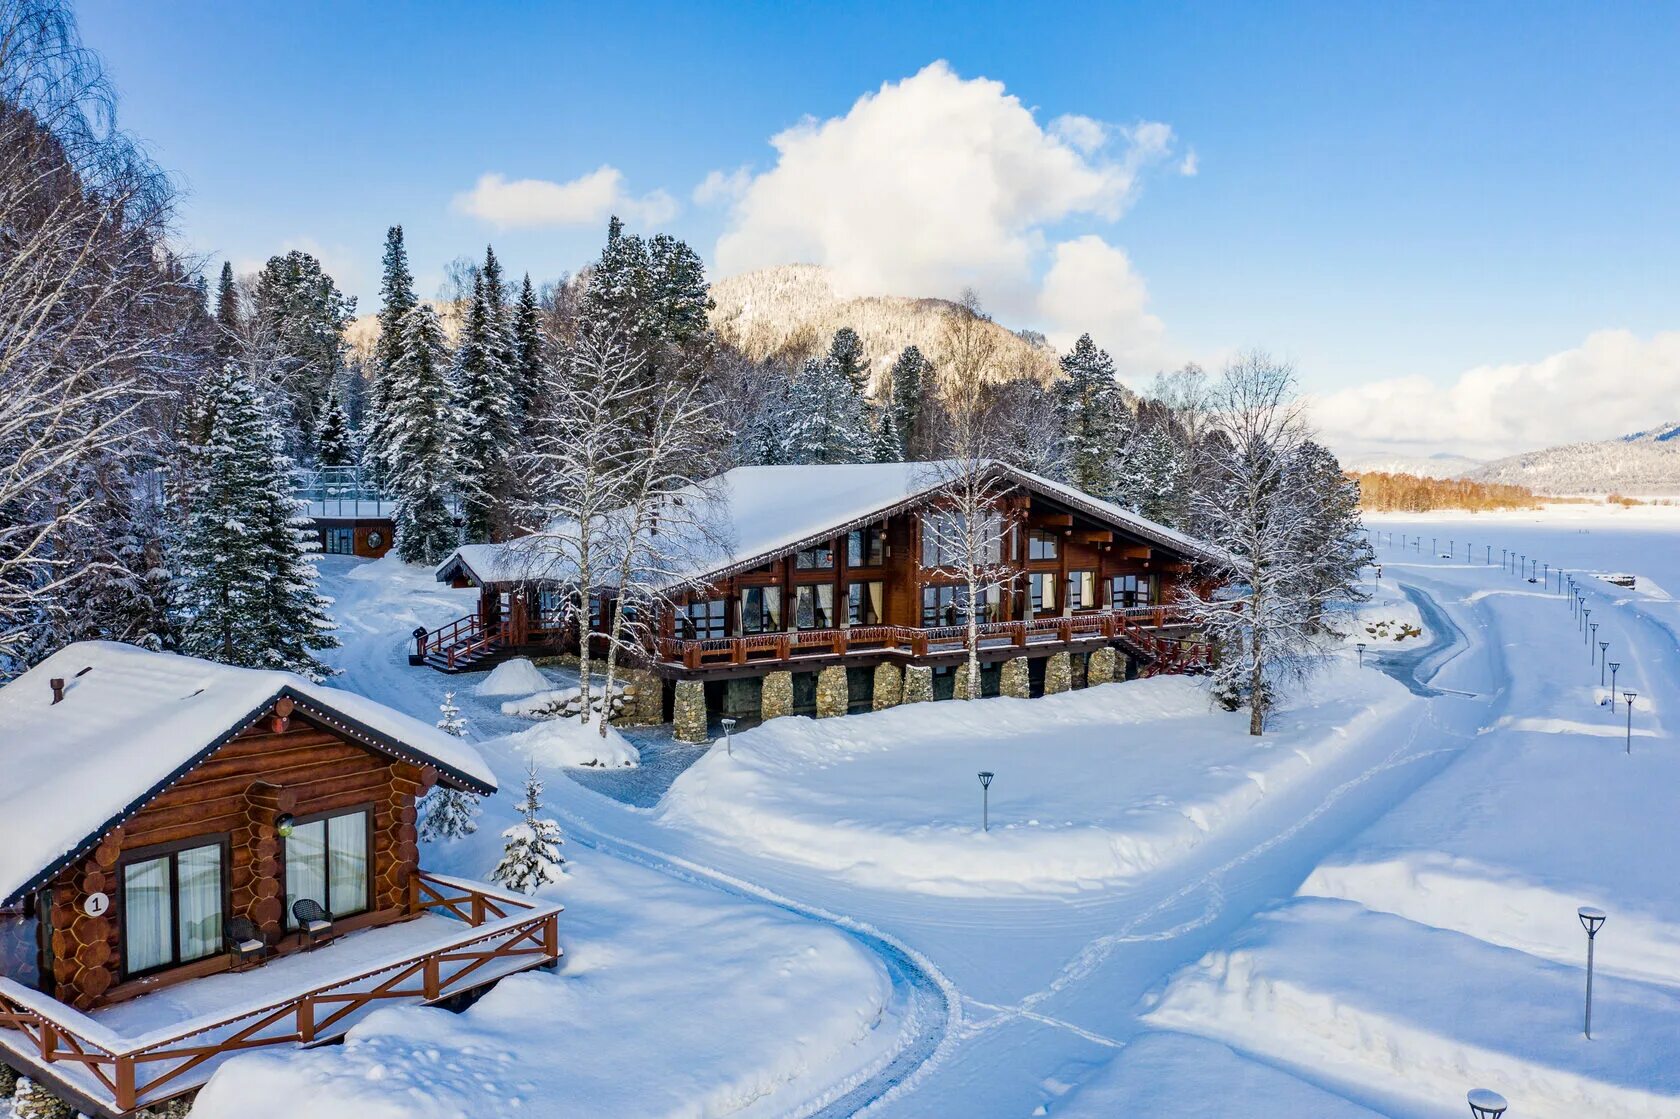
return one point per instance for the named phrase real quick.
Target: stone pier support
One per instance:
(832, 697)
(688, 712)
(918, 684)
(1017, 681)
(889, 686)
(959, 683)
(644, 700)
(1100, 668)
(776, 697)
(1058, 673)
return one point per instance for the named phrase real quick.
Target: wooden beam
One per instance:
(1059, 520)
(1134, 552)
(1096, 536)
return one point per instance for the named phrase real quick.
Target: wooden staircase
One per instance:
(464, 645)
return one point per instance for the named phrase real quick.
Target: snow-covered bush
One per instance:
(559, 703)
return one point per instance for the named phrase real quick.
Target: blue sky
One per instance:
(1380, 191)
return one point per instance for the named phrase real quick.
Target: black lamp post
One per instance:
(728, 726)
(1485, 1104)
(1592, 654)
(1630, 697)
(1586, 620)
(1360, 645)
(1614, 665)
(1545, 576)
(1603, 647)
(1592, 919)
(985, 799)
(1503, 562)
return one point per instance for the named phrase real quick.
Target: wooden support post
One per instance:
(477, 909)
(551, 937)
(125, 1094)
(306, 1019)
(433, 986)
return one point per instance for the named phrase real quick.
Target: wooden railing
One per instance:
(1134, 626)
(126, 1073)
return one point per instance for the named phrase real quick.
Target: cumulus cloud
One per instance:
(1091, 287)
(1188, 165)
(1612, 384)
(936, 183)
(586, 200)
(723, 186)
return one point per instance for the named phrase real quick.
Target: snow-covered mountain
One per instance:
(1419, 466)
(1644, 463)
(792, 310)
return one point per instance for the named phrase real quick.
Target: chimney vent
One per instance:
(57, 683)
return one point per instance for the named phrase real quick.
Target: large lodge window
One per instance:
(761, 609)
(327, 862)
(340, 541)
(866, 547)
(947, 606)
(1041, 545)
(818, 557)
(813, 606)
(1043, 588)
(1131, 590)
(865, 604)
(1082, 590)
(704, 620)
(172, 907)
(946, 539)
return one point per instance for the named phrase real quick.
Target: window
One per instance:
(865, 605)
(340, 541)
(761, 609)
(813, 606)
(1042, 545)
(1082, 590)
(1043, 586)
(946, 606)
(704, 620)
(1131, 590)
(172, 908)
(946, 540)
(818, 557)
(327, 862)
(866, 547)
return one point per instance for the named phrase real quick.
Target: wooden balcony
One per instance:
(138, 1053)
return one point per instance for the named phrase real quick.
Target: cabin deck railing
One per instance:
(126, 1072)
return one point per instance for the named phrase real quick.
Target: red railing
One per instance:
(126, 1073)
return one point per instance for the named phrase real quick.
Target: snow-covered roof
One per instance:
(766, 511)
(132, 721)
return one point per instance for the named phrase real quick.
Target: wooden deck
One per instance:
(133, 1056)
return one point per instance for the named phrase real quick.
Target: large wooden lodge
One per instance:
(242, 840)
(828, 596)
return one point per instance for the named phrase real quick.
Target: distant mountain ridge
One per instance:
(1419, 466)
(1644, 463)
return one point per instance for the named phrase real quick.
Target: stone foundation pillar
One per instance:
(1058, 674)
(776, 697)
(1100, 668)
(644, 700)
(918, 684)
(688, 713)
(889, 686)
(1016, 682)
(832, 698)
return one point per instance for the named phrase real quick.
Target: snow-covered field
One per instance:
(1368, 912)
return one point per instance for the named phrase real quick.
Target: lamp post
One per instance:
(985, 799)
(1545, 576)
(1503, 563)
(1485, 1104)
(1592, 654)
(1487, 555)
(1360, 645)
(1630, 697)
(728, 726)
(1603, 647)
(1592, 919)
(1614, 665)
(1586, 620)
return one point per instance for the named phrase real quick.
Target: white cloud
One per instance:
(586, 200)
(723, 186)
(936, 183)
(1612, 384)
(1091, 287)
(1188, 166)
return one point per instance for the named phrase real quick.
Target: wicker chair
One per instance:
(244, 942)
(313, 922)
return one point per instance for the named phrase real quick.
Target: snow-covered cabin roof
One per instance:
(134, 721)
(766, 511)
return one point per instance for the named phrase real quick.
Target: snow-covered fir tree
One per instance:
(528, 349)
(487, 425)
(1334, 546)
(1092, 410)
(418, 459)
(655, 291)
(227, 315)
(887, 446)
(302, 316)
(335, 443)
(531, 858)
(397, 298)
(845, 350)
(828, 419)
(246, 591)
(448, 813)
(907, 375)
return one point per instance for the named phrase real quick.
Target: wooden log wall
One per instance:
(283, 763)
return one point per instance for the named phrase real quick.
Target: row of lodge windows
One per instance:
(813, 606)
(174, 902)
(865, 547)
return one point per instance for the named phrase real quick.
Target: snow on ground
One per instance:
(512, 677)
(1092, 787)
(570, 742)
(675, 1000)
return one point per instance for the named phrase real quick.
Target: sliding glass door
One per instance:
(327, 862)
(173, 904)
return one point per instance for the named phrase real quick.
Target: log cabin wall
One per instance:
(237, 793)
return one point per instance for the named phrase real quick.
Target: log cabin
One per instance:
(821, 591)
(197, 859)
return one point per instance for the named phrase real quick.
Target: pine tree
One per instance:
(397, 298)
(1091, 407)
(846, 352)
(828, 421)
(227, 315)
(485, 439)
(907, 375)
(418, 461)
(246, 594)
(302, 316)
(888, 447)
(335, 444)
(531, 859)
(528, 349)
(448, 813)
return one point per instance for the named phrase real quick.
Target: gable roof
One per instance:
(133, 721)
(768, 511)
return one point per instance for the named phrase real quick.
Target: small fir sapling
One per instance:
(449, 813)
(531, 859)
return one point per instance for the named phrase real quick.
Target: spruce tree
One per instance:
(303, 315)
(227, 315)
(528, 349)
(531, 859)
(448, 813)
(485, 440)
(828, 421)
(335, 444)
(888, 447)
(1091, 407)
(246, 593)
(397, 298)
(845, 350)
(418, 460)
(907, 375)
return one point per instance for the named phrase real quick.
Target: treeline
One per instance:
(1408, 493)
